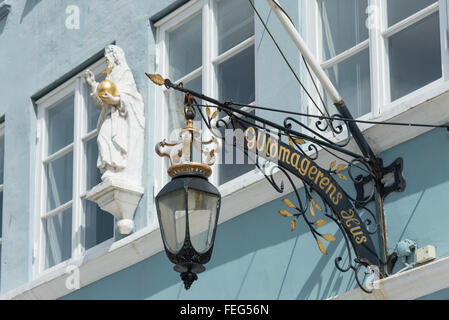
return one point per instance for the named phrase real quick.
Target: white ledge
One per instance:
(408, 285)
(250, 191)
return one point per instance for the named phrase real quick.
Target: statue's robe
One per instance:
(120, 128)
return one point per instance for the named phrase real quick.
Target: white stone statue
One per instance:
(120, 140)
(121, 123)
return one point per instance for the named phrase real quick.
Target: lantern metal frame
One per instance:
(188, 176)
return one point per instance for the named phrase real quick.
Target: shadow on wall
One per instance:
(29, 6)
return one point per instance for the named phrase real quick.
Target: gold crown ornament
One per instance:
(107, 85)
(180, 152)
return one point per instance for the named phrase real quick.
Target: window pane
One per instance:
(343, 24)
(194, 84)
(415, 56)
(185, 48)
(93, 174)
(236, 83)
(99, 224)
(59, 175)
(60, 125)
(234, 162)
(352, 79)
(93, 112)
(235, 23)
(175, 103)
(58, 238)
(398, 10)
(2, 155)
(236, 78)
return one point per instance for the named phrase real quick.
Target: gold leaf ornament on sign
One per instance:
(340, 167)
(290, 142)
(317, 205)
(288, 203)
(342, 177)
(329, 237)
(285, 213)
(297, 140)
(214, 115)
(293, 225)
(320, 223)
(312, 210)
(321, 246)
(156, 78)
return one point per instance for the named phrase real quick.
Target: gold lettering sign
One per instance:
(356, 231)
(268, 147)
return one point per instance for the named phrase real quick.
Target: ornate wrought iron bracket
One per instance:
(292, 149)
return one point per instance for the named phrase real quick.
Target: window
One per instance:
(378, 51)
(68, 224)
(208, 45)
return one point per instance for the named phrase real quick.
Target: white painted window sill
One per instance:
(428, 105)
(409, 285)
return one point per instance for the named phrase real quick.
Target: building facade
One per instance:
(388, 58)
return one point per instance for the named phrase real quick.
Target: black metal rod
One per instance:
(403, 124)
(356, 133)
(227, 107)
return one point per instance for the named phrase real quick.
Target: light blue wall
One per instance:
(421, 213)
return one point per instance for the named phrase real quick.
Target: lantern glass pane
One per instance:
(202, 219)
(172, 208)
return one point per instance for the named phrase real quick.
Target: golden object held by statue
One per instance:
(107, 86)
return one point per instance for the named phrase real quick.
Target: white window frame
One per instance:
(76, 86)
(381, 104)
(206, 70)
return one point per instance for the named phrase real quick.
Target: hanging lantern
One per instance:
(188, 206)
